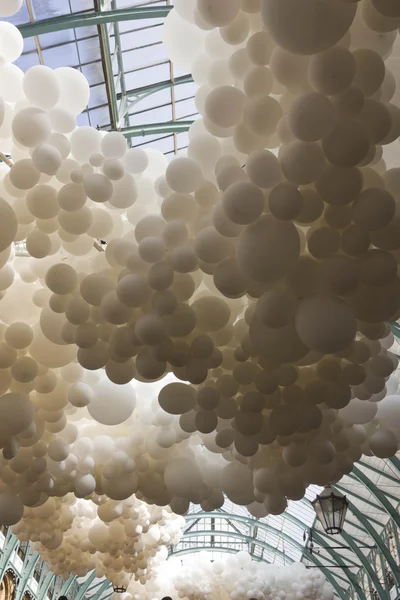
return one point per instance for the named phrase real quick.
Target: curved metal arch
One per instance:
(248, 521)
(67, 585)
(83, 588)
(240, 536)
(339, 590)
(352, 581)
(26, 575)
(72, 21)
(45, 586)
(186, 551)
(265, 527)
(367, 523)
(223, 549)
(395, 462)
(11, 544)
(102, 587)
(394, 480)
(378, 495)
(363, 559)
(371, 572)
(133, 97)
(339, 561)
(379, 542)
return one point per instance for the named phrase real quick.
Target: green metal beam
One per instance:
(244, 538)
(368, 567)
(379, 542)
(11, 543)
(339, 561)
(395, 480)
(378, 495)
(26, 575)
(156, 128)
(45, 586)
(93, 18)
(266, 527)
(223, 549)
(395, 462)
(108, 68)
(374, 505)
(133, 97)
(121, 75)
(337, 558)
(339, 590)
(250, 522)
(85, 586)
(102, 588)
(67, 585)
(157, 87)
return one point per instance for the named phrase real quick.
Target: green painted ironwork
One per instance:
(318, 535)
(87, 19)
(67, 585)
(11, 544)
(223, 549)
(101, 588)
(379, 542)
(240, 536)
(121, 75)
(367, 566)
(109, 76)
(395, 462)
(339, 590)
(378, 495)
(159, 86)
(156, 128)
(395, 480)
(85, 586)
(341, 487)
(27, 572)
(45, 586)
(250, 521)
(346, 570)
(141, 93)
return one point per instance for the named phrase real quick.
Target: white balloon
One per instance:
(74, 90)
(112, 404)
(11, 40)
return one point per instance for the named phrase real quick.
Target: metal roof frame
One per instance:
(96, 17)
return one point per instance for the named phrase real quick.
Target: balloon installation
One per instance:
(214, 326)
(233, 578)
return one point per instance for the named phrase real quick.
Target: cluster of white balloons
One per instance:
(254, 277)
(236, 577)
(122, 541)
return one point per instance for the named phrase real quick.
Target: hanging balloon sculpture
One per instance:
(243, 290)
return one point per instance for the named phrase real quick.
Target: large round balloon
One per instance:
(325, 324)
(268, 249)
(112, 404)
(307, 26)
(8, 225)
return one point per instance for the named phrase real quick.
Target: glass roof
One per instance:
(138, 61)
(141, 83)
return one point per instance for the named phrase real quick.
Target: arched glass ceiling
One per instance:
(134, 87)
(360, 562)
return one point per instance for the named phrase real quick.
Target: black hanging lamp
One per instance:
(331, 508)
